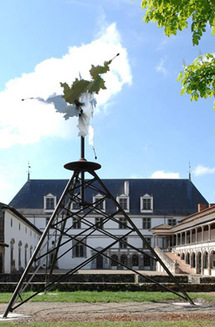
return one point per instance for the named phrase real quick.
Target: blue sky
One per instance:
(143, 127)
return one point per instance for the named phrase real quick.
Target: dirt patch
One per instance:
(128, 311)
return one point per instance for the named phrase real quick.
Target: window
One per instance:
(123, 201)
(49, 202)
(114, 260)
(76, 223)
(124, 260)
(99, 202)
(148, 239)
(19, 255)
(147, 261)
(146, 223)
(12, 261)
(172, 221)
(79, 249)
(26, 254)
(122, 223)
(99, 222)
(123, 243)
(135, 260)
(146, 203)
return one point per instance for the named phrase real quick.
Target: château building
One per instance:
(148, 202)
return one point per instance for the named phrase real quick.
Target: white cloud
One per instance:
(26, 122)
(163, 174)
(202, 170)
(160, 68)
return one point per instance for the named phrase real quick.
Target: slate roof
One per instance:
(170, 196)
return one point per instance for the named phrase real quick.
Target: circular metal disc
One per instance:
(82, 165)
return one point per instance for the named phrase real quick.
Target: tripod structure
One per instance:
(74, 207)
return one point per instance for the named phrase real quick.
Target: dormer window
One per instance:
(49, 202)
(146, 203)
(123, 201)
(99, 202)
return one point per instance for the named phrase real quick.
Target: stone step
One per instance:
(183, 266)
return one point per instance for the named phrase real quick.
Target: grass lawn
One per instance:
(106, 297)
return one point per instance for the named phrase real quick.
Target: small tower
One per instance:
(189, 171)
(29, 171)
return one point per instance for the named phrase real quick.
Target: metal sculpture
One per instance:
(73, 207)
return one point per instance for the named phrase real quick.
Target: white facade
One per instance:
(21, 238)
(99, 241)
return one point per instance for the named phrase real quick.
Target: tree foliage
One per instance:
(198, 78)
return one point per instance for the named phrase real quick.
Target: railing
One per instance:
(173, 266)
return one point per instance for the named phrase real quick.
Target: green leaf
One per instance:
(96, 85)
(179, 76)
(78, 87)
(95, 71)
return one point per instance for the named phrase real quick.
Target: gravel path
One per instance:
(128, 311)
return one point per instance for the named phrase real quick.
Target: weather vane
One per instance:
(79, 99)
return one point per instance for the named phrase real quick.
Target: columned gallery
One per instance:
(193, 240)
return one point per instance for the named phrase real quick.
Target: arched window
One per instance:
(135, 260)
(12, 260)
(187, 259)
(19, 255)
(193, 260)
(31, 251)
(205, 260)
(199, 263)
(114, 259)
(212, 257)
(124, 259)
(26, 254)
(147, 260)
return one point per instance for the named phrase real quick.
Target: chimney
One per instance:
(202, 206)
(126, 188)
(211, 205)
